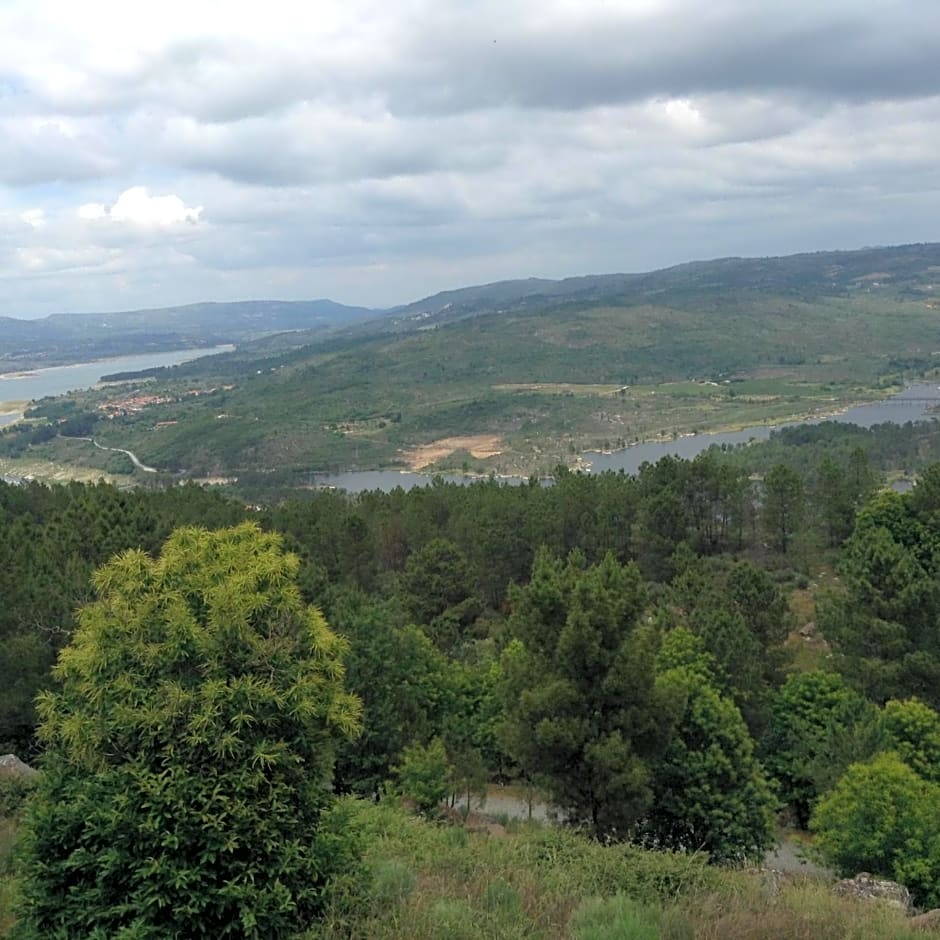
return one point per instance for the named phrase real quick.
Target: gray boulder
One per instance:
(12, 766)
(869, 888)
(928, 921)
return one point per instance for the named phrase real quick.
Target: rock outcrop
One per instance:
(928, 921)
(869, 888)
(12, 766)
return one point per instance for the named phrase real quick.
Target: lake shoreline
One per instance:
(686, 446)
(36, 371)
(804, 417)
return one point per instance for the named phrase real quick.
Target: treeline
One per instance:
(445, 554)
(52, 538)
(619, 641)
(906, 448)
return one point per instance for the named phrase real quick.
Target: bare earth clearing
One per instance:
(47, 471)
(480, 446)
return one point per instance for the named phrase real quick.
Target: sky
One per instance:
(375, 152)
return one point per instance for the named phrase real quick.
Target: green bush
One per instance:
(392, 881)
(424, 776)
(452, 918)
(883, 818)
(14, 792)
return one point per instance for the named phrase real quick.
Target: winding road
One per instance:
(120, 450)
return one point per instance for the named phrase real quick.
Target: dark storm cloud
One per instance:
(836, 56)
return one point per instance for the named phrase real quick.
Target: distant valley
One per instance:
(512, 377)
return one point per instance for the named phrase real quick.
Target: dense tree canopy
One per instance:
(617, 677)
(884, 818)
(818, 726)
(783, 505)
(709, 792)
(580, 703)
(885, 625)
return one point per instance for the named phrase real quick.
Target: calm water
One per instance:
(912, 404)
(358, 481)
(58, 380)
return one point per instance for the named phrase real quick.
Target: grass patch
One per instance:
(560, 388)
(48, 471)
(616, 918)
(554, 884)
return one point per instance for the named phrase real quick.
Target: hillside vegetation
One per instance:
(678, 661)
(544, 370)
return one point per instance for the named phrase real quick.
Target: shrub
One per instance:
(392, 881)
(14, 792)
(424, 776)
(883, 818)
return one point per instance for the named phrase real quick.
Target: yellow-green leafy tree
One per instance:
(189, 745)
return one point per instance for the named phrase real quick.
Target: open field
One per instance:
(48, 471)
(560, 388)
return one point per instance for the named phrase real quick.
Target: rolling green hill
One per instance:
(541, 370)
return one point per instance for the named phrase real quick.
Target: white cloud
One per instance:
(59, 260)
(93, 210)
(34, 218)
(137, 207)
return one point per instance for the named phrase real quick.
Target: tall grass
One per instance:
(423, 882)
(7, 880)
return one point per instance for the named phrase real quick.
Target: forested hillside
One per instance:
(241, 706)
(520, 379)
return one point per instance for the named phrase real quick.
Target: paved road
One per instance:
(788, 857)
(131, 454)
(120, 450)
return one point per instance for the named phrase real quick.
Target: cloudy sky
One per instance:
(375, 151)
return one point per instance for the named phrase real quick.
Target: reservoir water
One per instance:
(913, 404)
(57, 380)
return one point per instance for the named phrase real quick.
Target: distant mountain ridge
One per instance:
(60, 338)
(821, 272)
(76, 336)
(534, 371)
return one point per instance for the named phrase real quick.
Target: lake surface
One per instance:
(57, 380)
(913, 404)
